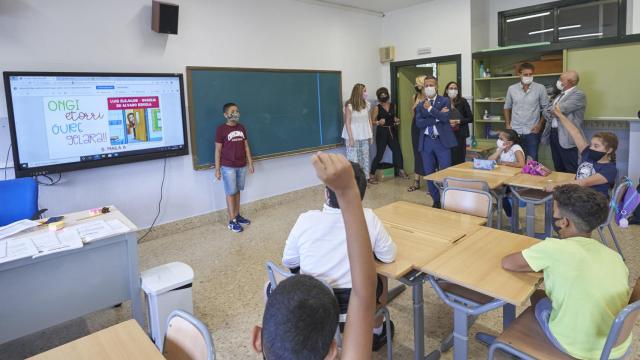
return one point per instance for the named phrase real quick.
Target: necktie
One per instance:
(430, 127)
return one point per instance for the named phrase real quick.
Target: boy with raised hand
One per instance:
(301, 315)
(586, 283)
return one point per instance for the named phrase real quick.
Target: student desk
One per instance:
(125, 340)
(475, 263)
(38, 293)
(495, 179)
(445, 225)
(413, 248)
(530, 189)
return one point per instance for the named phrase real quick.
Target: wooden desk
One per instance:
(539, 182)
(434, 223)
(499, 169)
(125, 340)
(475, 263)
(71, 283)
(413, 248)
(493, 179)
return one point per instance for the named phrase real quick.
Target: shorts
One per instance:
(233, 179)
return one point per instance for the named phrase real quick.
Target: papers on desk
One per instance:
(97, 229)
(45, 243)
(16, 227)
(14, 249)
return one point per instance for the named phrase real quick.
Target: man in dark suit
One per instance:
(573, 103)
(437, 139)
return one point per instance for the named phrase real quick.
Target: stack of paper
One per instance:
(16, 227)
(14, 249)
(98, 229)
(53, 242)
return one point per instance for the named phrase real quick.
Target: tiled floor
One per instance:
(229, 277)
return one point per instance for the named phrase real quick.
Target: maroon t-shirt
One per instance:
(232, 138)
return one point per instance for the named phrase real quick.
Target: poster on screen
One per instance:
(76, 125)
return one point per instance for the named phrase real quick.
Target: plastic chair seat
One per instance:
(525, 334)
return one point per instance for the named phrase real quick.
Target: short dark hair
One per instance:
(430, 77)
(300, 320)
(361, 181)
(526, 65)
(584, 206)
(227, 106)
(382, 90)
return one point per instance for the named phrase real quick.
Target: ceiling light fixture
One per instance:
(540, 31)
(579, 36)
(569, 27)
(529, 16)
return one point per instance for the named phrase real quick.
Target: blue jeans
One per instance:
(530, 143)
(233, 179)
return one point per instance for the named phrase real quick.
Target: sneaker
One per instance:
(234, 226)
(242, 221)
(380, 340)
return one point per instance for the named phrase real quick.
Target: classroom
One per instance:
(190, 155)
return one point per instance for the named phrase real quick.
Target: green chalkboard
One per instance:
(285, 111)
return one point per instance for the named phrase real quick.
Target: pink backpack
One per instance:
(535, 168)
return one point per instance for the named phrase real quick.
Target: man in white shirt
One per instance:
(317, 245)
(573, 103)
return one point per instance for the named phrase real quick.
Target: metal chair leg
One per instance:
(615, 241)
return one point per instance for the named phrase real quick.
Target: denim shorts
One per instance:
(233, 179)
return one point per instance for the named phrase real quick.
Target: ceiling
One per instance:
(378, 6)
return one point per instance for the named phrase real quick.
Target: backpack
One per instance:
(627, 204)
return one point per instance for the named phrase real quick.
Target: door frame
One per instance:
(394, 65)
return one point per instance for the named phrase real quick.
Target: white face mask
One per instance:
(452, 93)
(500, 144)
(527, 80)
(559, 85)
(430, 91)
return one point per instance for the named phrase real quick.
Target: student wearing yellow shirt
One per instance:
(586, 283)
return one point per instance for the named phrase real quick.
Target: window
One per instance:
(561, 21)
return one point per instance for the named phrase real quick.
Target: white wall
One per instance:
(115, 35)
(442, 25)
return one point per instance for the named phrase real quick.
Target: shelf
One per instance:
(515, 77)
(489, 121)
(489, 101)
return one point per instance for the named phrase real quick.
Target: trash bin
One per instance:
(167, 287)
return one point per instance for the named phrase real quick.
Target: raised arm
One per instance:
(335, 171)
(573, 130)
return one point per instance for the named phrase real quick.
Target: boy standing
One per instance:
(233, 159)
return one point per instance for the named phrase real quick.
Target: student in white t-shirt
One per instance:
(508, 153)
(317, 246)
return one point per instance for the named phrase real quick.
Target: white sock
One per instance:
(378, 330)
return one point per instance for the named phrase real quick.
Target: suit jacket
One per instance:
(573, 105)
(439, 119)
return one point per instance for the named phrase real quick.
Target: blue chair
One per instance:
(19, 200)
(525, 339)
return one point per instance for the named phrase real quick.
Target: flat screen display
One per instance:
(70, 121)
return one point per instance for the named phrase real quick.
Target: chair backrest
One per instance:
(465, 184)
(616, 198)
(18, 200)
(276, 274)
(187, 338)
(624, 322)
(468, 201)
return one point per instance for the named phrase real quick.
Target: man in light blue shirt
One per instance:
(522, 110)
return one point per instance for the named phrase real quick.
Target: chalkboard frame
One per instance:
(192, 119)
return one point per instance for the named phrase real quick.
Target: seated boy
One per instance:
(301, 314)
(317, 245)
(586, 283)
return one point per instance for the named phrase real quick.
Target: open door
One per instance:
(403, 76)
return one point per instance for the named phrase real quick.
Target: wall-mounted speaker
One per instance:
(164, 17)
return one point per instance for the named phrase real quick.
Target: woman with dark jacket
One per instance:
(460, 118)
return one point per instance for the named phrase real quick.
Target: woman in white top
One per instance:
(509, 151)
(357, 127)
